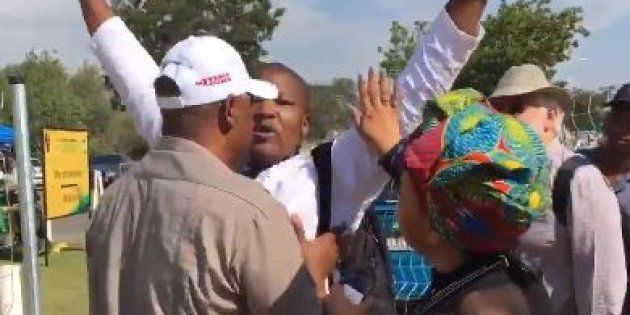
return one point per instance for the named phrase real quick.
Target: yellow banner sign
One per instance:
(66, 172)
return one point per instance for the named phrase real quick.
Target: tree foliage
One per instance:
(526, 31)
(402, 43)
(50, 102)
(57, 98)
(588, 108)
(330, 111)
(159, 24)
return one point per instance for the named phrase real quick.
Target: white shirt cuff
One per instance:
(111, 28)
(445, 28)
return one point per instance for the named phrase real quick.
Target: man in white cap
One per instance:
(578, 246)
(181, 232)
(356, 177)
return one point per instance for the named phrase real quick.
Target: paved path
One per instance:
(69, 229)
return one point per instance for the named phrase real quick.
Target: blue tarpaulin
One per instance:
(412, 272)
(6, 134)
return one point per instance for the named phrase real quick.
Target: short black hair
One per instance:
(303, 85)
(166, 87)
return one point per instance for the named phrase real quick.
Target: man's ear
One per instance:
(306, 126)
(227, 114)
(550, 120)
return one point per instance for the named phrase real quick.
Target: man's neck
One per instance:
(216, 148)
(253, 169)
(613, 163)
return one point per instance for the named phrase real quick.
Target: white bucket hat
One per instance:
(206, 70)
(528, 78)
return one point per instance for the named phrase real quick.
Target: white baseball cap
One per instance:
(207, 70)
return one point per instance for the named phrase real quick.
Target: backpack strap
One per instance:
(322, 157)
(464, 280)
(562, 186)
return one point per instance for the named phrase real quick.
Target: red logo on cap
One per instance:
(214, 80)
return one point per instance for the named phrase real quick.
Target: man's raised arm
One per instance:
(129, 66)
(357, 178)
(466, 15)
(95, 12)
(439, 58)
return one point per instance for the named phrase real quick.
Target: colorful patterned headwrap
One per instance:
(484, 174)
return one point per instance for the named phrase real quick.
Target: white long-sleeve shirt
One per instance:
(582, 263)
(357, 179)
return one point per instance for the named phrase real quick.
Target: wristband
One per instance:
(392, 161)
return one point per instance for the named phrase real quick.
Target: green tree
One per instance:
(402, 43)
(329, 112)
(158, 24)
(88, 85)
(526, 31)
(588, 109)
(57, 98)
(48, 93)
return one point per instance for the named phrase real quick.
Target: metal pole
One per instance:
(30, 272)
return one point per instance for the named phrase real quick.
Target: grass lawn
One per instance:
(64, 284)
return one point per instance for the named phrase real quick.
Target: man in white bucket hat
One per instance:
(577, 246)
(524, 90)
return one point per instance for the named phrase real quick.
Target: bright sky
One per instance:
(323, 39)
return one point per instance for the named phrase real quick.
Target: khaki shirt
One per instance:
(180, 233)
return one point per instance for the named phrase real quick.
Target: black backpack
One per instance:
(562, 187)
(364, 256)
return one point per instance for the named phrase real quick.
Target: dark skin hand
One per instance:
(95, 12)
(320, 255)
(376, 116)
(466, 14)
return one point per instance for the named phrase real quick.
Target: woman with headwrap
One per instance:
(471, 182)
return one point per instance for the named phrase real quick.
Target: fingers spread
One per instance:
(385, 89)
(374, 89)
(364, 98)
(394, 101)
(356, 115)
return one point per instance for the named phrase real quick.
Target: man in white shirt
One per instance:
(578, 248)
(356, 176)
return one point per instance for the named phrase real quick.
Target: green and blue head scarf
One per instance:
(484, 174)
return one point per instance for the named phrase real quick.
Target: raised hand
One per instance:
(95, 12)
(320, 255)
(376, 115)
(466, 14)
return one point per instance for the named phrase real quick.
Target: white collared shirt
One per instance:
(583, 263)
(357, 179)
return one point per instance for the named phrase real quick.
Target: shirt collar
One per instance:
(168, 143)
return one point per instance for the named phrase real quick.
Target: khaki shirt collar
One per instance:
(168, 143)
